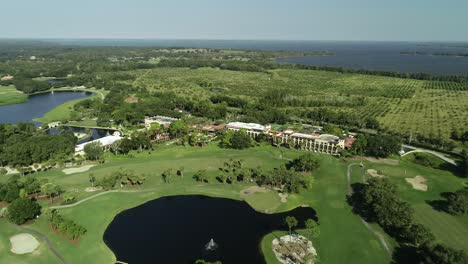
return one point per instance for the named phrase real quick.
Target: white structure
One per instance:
(324, 143)
(162, 120)
(252, 129)
(54, 124)
(105, 141)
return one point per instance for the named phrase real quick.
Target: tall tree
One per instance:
(94, 150)
(291, 222)
(312, 228)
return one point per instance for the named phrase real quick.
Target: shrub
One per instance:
(22, 210)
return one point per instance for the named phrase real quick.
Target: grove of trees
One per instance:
(24, 144)
(22, 210)
(64, 225)
(378, 201)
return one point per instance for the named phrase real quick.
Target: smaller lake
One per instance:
(38, 105)
(92, 133)
(175, 229)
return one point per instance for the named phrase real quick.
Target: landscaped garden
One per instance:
(326, 196)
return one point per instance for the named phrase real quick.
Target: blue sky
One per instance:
(411, 20)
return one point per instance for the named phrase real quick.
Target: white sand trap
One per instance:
(252, 190)
(23, 243)
(418, 183)
(374, 173)
(77, 170)
(284, 197)
(93, 189)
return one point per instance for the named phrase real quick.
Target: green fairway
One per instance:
(400, 105)
(341, 230)
(448, 229)
(9, 95)
(41, 256)
(63, 111)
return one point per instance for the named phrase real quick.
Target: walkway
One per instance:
(48, 243)
(366, 224)
(435, 153)
(100, 194)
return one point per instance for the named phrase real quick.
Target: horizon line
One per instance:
(227, 39)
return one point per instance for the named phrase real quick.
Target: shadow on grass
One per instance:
(405, 255)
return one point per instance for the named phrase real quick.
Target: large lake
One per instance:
(37, 105)
(349, 54)
(176, 229)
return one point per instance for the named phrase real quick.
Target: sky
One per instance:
(379, 20)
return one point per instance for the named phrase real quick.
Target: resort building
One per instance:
(162, 120)
(252, 129)
(324, 143)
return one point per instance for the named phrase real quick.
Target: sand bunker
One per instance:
(77, 170)
(252, 190)
(284, 197)
(292, 249)
(418, 183)
(23, 243)
(374, 173)
(93, 189)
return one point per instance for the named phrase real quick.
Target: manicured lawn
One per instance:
(9, 95)
(63, 111)
(60, 113)
(344, 239)
(448, 229)
(42, 255)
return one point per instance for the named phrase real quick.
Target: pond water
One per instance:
(92, 133)
(37, 105)
(176, 229)
(387, 56)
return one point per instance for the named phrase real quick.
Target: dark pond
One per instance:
(176, 230)
(37, 105)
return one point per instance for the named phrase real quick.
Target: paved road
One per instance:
(435, 153)
(48, 243)
(367, 225)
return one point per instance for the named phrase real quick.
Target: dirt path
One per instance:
(367, 225)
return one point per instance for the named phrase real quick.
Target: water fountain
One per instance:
(211, 245)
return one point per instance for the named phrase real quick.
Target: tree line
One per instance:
(64, 225)
(24, 144)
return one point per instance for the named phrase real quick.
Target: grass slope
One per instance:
(448, 229)
(9, 95)
(63, 111)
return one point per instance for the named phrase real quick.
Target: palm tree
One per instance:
(291, 222)
(92, 179)
(181, 172)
